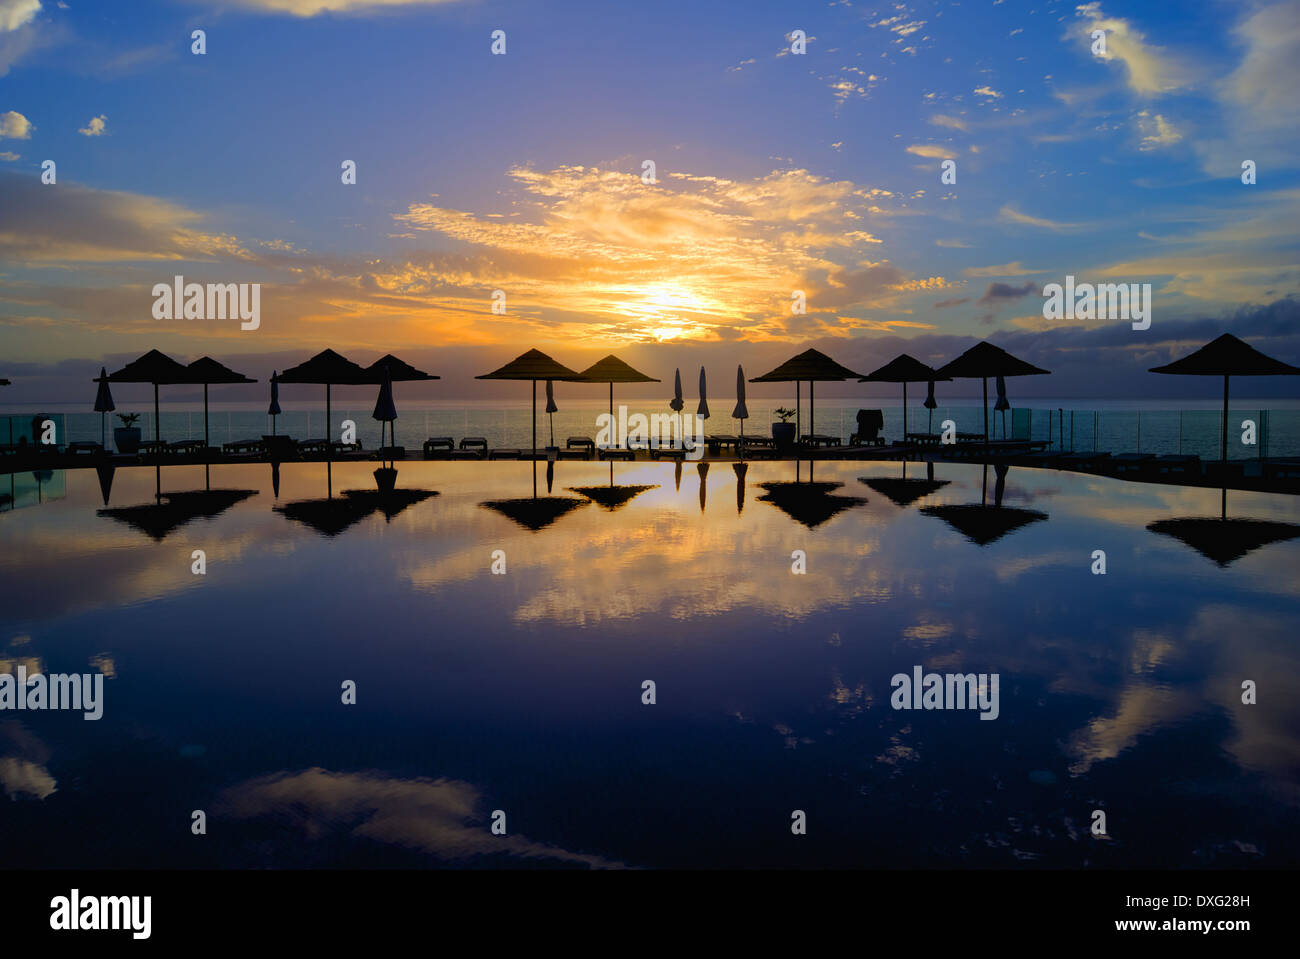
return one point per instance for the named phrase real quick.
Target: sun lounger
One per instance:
(819, 440)
(1281, 468)
(614, 453)
(716, 444)
(391, 453)
(1131, 462)
(575, 446)
(1182, 464)
(313, 447)
(242, 448)
(435, 443)
(84, 446)
(474, 443)
(671, 452)
(501, 454)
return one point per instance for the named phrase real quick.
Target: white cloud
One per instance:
(953, 123)
(310, 8)
(17, 13)
(9, 156)
(15, 126)
(1157, 132)
(931, 151)
(987, 91)
(1150, 69)
(96, 127)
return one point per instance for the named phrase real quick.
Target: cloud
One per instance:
(1013, 268)
(15, 126)
(17, 13)
(953, 244)
(988, 91)
(1150, 69)
(1010, 214)
(954, 123)
(9, 156)
(311, 8)
(944, 304)
(1157, 132)
(932, 151)
(95, 127)
(1005, 292)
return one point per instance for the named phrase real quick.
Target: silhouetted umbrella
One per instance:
(4, 382)
(537, 512)
(207, 370)
(329, 517)
(612, 497)
(904, 369)
(676, 404)
(552, 409)
(275, 478)
(105, 474)
(1225, 540)
(1003, 404)
(982, 361)
(174, 510)
(740, 469)
(1227, 356)
(983, 524)
(904, 491)
(103, 405)
(809, 503)
(274, 409)
(703, 408)
(397, 371)
(612, 370)
(156, 368)
(385, 410)
(811, 366)
(677, 475)
(533, 365)
(741, 412)
(330, 369)
(703, 469)
(930, 404)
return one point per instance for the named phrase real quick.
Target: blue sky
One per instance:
(522, 172)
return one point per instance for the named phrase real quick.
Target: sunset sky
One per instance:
(776, 172)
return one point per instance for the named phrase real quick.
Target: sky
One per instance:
(775, 172)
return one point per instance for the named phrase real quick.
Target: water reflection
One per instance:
(902, 490)
(332, 515)
(983, 524)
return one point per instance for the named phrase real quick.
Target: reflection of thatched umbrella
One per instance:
(1227, 356)
(533, 365)
(207, 370)
(612, 370)
(982, 361)
(1225, 540)
(329, 369)
(904, 491)
(536, 512)
(740, 469)
(174, 510)
(156, 368)
(904, 369)
(103, 405)
(329, 517)
(983, 524)
(810, 503)
(611, 497)
(811, 366)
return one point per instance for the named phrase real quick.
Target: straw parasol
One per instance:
(1227, 356)
(811, 366)
(533, 365)
(207, 370)
(330, 369)
(155, 368)
(103, 405)
(905, 369)
(612, 370)
(982, 361)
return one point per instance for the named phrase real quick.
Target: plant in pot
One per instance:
(783, 432)
(127, 436)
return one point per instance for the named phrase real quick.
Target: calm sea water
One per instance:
(522, 692)
(1118, 426)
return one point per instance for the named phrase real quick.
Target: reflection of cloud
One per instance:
(19, 777)
(431, 816)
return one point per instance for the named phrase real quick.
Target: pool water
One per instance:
(770, 607)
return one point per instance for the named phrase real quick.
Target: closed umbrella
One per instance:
(930, 404)
(677, 403)
(552, 409)
(385, 412)
(274, 409)
(389, 368)
(1227, 356)
(703, 409)
(982, 361)
(103, 406)
(1003, 404)
(904, 369)
(741, 412)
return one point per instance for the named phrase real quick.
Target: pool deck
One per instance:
(1273, 475)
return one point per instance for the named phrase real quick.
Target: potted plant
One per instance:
(783, 432)
(127, 436)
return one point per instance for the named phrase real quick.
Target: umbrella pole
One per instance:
(103, 433)
(1223, 445)
(155, 414)
(986, 416)
(534, 428)
(206, 444)
(812, 408)
(904, 411)
(798, 416)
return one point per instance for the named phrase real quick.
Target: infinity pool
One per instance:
(517, 696)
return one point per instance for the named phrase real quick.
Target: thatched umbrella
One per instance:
(612, 370)
(811, 366)
(982, 361)
(1227, 356)
(330, 369)
(533, 365)
(904, 369)
(207, 370)
(156, 368)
